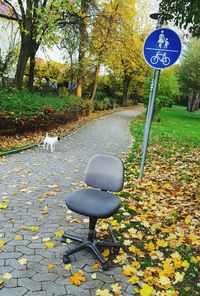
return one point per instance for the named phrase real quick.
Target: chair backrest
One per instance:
(105, 172)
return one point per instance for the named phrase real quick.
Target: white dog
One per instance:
(50, 142)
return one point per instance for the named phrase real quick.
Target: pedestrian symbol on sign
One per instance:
(162, 48)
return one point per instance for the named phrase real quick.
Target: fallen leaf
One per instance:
(106, 253)
(59, 233)
(49, 244)
(116, 288)
(68, 266)
(134, 280)
(7, 276)
(23, 261)
(18, 237)
(30, 228)
(3, 206)
(50, 266)
(77, 278)
(146, 290)
(94, 276)
(104, 292)
(96, 265)
(2, 243)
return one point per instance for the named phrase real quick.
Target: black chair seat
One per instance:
(93, 203)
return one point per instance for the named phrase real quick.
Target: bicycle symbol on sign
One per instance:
(160, 57)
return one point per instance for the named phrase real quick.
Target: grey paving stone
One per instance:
(42, 277)
(39, 293)
(11, 283)
(25, 250)
(56, 289)
(19, 291)
(26, 273)
(15, 264)
(30, 284)
(10, 255)
(78, 291)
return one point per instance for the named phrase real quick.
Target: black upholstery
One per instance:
(104, 173)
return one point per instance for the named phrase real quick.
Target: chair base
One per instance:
(92, 245)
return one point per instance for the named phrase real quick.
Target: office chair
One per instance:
(104, 173)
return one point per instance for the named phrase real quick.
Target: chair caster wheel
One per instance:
(105, 266)
(66, 259)
(63, 240)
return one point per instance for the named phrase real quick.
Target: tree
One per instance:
(189, 75)
(125, 59)
(168, 89)
(36, 19)
(186, 13)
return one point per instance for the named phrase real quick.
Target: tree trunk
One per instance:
(31, 72)
(79, 87)
(193, 101)
(190, 99)
(125, 90)
(197, 102)
(96, 78)
(82, 45)
(21, 65)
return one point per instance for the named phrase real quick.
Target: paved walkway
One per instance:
(33, 185)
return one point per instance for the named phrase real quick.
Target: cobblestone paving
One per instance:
(33, 185)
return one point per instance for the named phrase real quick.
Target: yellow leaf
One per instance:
(134, 280)
(94, 276)
(164, 280)
(187, 220)
(23, 261)
(161, 243)
(179, 277)
(185, 264)
(3, 206)
(50, 266)
(49, 244)
(7, 276)
(106, 253)
(167, 267)
(96, 265)
(149, 247)
(77, 278)
(68, 266)
(30, 228)
(104, 292)
(167, 186)
(146, 290)
(35, 237)
(135, 264)
(59, 233)
(76, 220)
(128, 270)
(116, 288)
(121, 259)
(18, 236)
(1, 282)
(2, 243)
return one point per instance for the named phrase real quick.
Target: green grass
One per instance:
(24, 103)
(177, 127)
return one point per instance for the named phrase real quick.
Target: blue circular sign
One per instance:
(162, 48)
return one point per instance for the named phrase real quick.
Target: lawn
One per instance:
(158, 221)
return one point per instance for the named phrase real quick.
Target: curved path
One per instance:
(33, 185)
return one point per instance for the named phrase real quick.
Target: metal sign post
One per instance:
(162, 48)
(147, 128)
